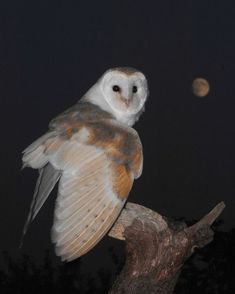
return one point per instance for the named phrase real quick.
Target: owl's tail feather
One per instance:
(48, 177)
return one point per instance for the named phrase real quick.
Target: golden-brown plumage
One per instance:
(96, 157)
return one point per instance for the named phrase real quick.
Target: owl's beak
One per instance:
(125, 100)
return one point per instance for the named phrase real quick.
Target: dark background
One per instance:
(51, 53)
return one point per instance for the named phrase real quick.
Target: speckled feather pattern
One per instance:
(95, 155)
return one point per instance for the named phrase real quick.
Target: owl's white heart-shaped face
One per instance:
(125, 93)
(122, 92)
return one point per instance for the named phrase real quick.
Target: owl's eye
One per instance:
(134, 89)
(116, 88)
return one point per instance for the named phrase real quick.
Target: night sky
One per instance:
(50, 54)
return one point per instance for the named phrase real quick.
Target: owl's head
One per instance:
(122, 92)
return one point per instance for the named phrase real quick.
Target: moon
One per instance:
(200, 87)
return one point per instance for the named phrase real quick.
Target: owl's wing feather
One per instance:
(93, 187)
(88, 201)
(47, 179)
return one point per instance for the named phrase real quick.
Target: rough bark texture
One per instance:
(156, 248)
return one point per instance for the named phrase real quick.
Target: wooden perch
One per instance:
(156, 248)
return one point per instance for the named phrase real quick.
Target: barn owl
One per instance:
(94, 153)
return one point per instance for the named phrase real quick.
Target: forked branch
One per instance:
(156, 248)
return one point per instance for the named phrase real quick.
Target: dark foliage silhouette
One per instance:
(210, 270)
(24, 276)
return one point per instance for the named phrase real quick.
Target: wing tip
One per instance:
(68, 257)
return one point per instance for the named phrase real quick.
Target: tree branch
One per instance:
(156, 248)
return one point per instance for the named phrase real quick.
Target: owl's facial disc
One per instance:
(125, 94)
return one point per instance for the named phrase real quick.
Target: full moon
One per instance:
(200, 87)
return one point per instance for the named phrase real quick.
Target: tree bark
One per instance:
(156, 248)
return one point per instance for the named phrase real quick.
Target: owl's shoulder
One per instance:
(88, 124)
(86, 114)
(81, 112)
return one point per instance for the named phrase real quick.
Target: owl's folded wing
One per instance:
(92, 191)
